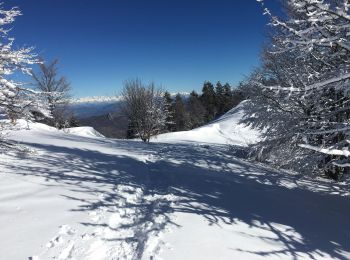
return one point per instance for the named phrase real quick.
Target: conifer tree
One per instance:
(208, 99)
(196, 110)
(180, 114)
(169, 106)
(220, 100)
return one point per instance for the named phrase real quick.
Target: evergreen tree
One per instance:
(196, 110)
(169, 106)
(208, 99)
(220, 101)
(237, 97)
(228, 98)
(180, 114)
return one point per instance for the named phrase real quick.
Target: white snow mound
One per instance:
(85, 131)
(225, 130)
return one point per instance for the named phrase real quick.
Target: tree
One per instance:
(208, 99)
(196, 110)
(180, 114)
(169, 106)
(220, 100)
(301, 94)
(144, 106)
(16, 101)
(57, 90)
(234, 96)
(227, 98)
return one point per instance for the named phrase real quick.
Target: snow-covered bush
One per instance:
(301, 94)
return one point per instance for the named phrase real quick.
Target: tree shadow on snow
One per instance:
(206, 181)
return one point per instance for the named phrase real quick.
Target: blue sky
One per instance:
(176, 43)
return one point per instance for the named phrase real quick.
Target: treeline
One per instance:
(185, 112)
(188, 112)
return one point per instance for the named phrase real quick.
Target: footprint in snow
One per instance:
(53, 242)
(66, 230)
(67, 252)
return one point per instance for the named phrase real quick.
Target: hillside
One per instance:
(112, 125)
(224, 130)
(101, 113)
(78, 195)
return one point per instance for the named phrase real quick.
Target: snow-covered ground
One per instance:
(78, 195)
(225, 130)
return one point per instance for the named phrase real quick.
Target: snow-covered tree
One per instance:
(301, 94)
(169, 106)
(16, 101)
(57, 91)
(145, 107)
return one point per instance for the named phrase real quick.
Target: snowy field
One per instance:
(79, 195)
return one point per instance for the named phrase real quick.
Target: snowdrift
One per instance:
(224, 130)
(85, 131)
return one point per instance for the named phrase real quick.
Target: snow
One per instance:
(85, 131)
(97, 99)
(225, 130)
(79, 195)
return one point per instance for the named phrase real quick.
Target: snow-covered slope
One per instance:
(225, 130)
(82, 196)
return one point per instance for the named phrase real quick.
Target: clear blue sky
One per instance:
(176, 43)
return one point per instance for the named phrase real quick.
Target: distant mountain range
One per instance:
(95, 106)
(100, 105)
(97, 99)
(102, 113)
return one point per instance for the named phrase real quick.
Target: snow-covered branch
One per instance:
(328, 151)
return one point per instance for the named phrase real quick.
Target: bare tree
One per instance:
(145, 108)
(56, 89)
